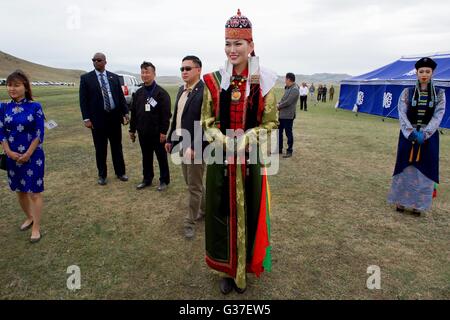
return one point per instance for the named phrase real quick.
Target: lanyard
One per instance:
(150, 94)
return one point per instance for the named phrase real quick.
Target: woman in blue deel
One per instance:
(421, 109)
(21, 136)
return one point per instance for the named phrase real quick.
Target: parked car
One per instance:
(129, 86)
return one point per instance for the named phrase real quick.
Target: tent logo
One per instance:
(360, 99)
(387, 100)
(410, 73)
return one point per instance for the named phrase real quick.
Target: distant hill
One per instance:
(37, 72)
(317, 78)
(164, 80)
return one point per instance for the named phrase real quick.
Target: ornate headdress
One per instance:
(238, 27)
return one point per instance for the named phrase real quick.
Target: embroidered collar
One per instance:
(266, 78)
(24, 100)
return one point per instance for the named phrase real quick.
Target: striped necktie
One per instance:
(105, 93)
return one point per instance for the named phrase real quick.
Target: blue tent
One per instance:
(377, 92)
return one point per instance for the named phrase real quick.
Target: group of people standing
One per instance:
(322, 91)
(235, 202)
(287, 108)
(238, 97)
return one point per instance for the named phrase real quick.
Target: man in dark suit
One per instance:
(104, 109)
(186, 118)
(150, 117)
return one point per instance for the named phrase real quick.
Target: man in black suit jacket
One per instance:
(104, 108)
(150, 117)
(186, 117)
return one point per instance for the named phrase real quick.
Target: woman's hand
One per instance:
(13, 155)
(24, 158)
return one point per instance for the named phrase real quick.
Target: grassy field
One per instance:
(330, 221)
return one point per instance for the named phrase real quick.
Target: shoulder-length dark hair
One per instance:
(20, 76)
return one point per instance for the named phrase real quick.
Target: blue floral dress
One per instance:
(20, 124)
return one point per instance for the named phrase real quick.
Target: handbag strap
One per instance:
(3, 106)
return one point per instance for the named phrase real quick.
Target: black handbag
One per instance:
(3, 157)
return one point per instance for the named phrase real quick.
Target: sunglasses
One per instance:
(182, 69)
(97, 60)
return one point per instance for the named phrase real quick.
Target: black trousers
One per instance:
(324, 97)
(286, 125)
(150, 144)
(112, 132)
(303, 102)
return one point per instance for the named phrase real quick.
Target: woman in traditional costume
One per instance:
(237, 223)
(421, 109)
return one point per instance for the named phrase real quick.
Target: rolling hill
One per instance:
(36, 72)
(316, 78)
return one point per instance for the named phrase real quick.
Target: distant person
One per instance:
(303, 96)
(324, 93)
(187, 110)
(104, 109)
(286, 108)
(331, 93)
(319, 93)
(312, 90)
(150, 117)
(420, 109)
(22, 136)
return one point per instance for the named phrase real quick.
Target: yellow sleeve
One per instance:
(208, 120)
(269, 117)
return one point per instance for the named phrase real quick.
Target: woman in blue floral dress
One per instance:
(21, 136)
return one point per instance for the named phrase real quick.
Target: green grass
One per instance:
(330, 221)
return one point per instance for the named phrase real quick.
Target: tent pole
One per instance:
(388, 114)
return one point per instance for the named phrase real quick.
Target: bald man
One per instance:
(104, 109)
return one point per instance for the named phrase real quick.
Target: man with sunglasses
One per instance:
(104, 109)
(150, 118)
(186, 118)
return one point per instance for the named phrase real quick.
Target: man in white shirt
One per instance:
(303, 96)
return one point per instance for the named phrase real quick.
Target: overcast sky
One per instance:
(302, 36)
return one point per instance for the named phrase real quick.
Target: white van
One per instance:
(129, 86)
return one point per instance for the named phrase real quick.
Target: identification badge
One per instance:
(153, 102)
(147, 107)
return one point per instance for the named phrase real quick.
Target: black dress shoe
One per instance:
(162, 187)
(226, 285)
(102, 181)
(122, 178)
(288, 155)
(143, 184)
